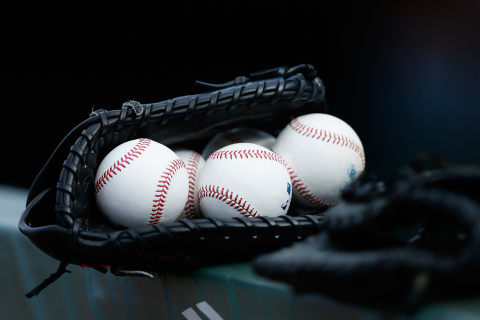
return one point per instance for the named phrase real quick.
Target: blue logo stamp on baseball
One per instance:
(351, 175)
(289, 191)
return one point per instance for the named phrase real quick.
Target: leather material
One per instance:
(411, 240)
(62, 219)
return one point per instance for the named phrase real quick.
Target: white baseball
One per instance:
(194, 162)
(238, 135)
(244, 179)
(324, 155)
(141, 182)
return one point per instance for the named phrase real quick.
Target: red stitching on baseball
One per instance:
(192, 168)
(161, 193)
(297, 183)
(304, 191)
(245, 154)
(341, 140)
(122, 163)
(231, 199)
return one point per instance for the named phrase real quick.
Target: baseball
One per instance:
(324, 154)
(194, 162)
(141, 182)
(244, 180)
(238, 135)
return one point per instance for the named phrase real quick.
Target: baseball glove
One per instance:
(396, 244)
(61, 217)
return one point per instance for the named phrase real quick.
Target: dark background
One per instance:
(405, 76)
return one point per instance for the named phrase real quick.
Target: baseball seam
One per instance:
(161, 193)
(245, 154)
(231, 199)
(303, 190)
(329, 137)
(192, 168)
(122, 163)
(297, 183)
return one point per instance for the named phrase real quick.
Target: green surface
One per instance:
(220, 292)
